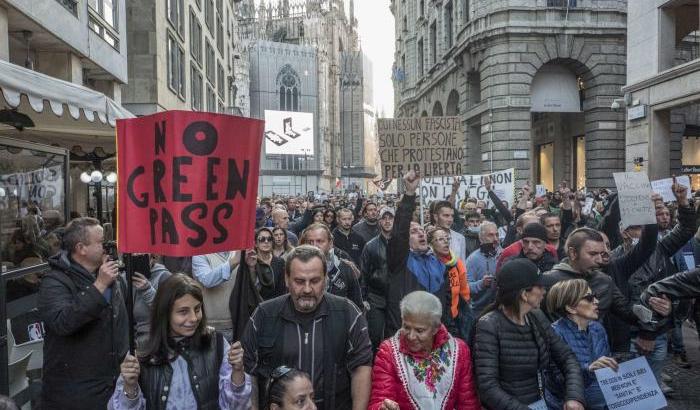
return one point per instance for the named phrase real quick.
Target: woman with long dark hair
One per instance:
(514, 346)
(280, 245)
(185, 364)
(290, 389)
(260, 278)
(329, 218)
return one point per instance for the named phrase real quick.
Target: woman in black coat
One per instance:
(514, 344)
(260, 277)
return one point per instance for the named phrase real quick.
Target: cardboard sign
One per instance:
(187, 182)
(472, 186)
(540, 191)
(433, 146)
(588, 206)
(634, 195)
(632, 387)
(663, 187)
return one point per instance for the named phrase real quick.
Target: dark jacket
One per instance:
(660, 264)
(351, 243)
(375, 274)
(622, 265)
(508, 357)
(332, 339)
(610, 299)
(401, 280)
(251, 290)
(203, 365)
(545, 263)
(684, 285)
(86, 336)
(365, 230)
(471, 240)
(343, 281)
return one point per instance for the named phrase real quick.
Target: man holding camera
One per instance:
(81, 301)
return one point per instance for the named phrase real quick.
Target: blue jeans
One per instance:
(657, 357)
(677, 344)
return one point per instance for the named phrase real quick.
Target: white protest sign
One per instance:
(43, 185)
(632, 387)
(588, 206)
(471, 186)
(634, 195)
(432, 146)
(663, 187)
(540, 191)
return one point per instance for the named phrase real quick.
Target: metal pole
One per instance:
(420, 199)
(306, 174)
(130, 300)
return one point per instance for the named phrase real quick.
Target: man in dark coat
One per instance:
(81, 301)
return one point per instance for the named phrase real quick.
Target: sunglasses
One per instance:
(589, 297)
(265, 239)
(277, 374)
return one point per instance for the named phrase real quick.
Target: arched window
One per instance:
(289, 85)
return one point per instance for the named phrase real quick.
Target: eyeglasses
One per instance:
(589, 297)
(277, 374)
(265, 239)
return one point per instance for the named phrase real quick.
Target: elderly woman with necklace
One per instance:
(422, 366)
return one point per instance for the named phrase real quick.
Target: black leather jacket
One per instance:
(203, 366)
(375, 276)
(684, 285)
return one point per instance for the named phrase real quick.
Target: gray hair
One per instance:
(484, 226)
(421, 303)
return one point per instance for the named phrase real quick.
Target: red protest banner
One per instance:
(187, 182)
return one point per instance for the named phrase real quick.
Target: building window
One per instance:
(211, 99)
(448, 26)
(195, 38)
(176, 15)
(433, 43)
(220, 6)
(196, 88)
(289, 86)
(199, 4)
(465, 11)
(176, 67)
(220, 86)
(211, 63)
(405, 24)
(421, 8)
(70, 5)
(102, 20)
(209, 15)
(220, 35)
(421, 68)
(561, 3)
(404, 72)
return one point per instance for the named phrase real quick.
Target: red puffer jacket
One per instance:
(441, 379)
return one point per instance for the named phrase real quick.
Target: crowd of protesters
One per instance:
(347, 302)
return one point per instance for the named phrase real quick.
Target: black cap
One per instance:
(518, 274)
(534, 230)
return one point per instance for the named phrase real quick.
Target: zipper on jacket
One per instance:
(306, 338)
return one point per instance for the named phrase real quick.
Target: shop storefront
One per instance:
(691, 160)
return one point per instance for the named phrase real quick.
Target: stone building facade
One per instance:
(358, 120)
(532, 80)
(662, 95)
(185, 55)
(293, 34)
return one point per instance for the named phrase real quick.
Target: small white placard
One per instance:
(663, 187)
(632, 387)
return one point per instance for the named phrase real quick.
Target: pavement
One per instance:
(686, 382)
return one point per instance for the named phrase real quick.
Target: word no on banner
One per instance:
(433, 146)
(186, 182)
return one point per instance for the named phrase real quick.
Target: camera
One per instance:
(110, 248)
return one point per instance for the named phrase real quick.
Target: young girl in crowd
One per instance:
(186, 365)
(290, 389)
(280, 246)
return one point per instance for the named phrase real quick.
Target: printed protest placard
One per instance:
(471, 186)
(588, 206)
(540, 191)
(663, 187)
(634, 195)
(43, 185)
(187, 182)
(632, 387)
(433, 146)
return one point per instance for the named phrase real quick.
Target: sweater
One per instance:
(479, 265)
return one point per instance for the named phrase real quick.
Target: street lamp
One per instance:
(97, 180)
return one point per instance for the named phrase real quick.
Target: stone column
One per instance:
(504, 134)
(658, 164)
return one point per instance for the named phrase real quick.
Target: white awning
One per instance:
(62, 96)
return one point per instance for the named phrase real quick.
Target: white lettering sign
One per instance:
(663, 187)
(471, 186)
(634, 194)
